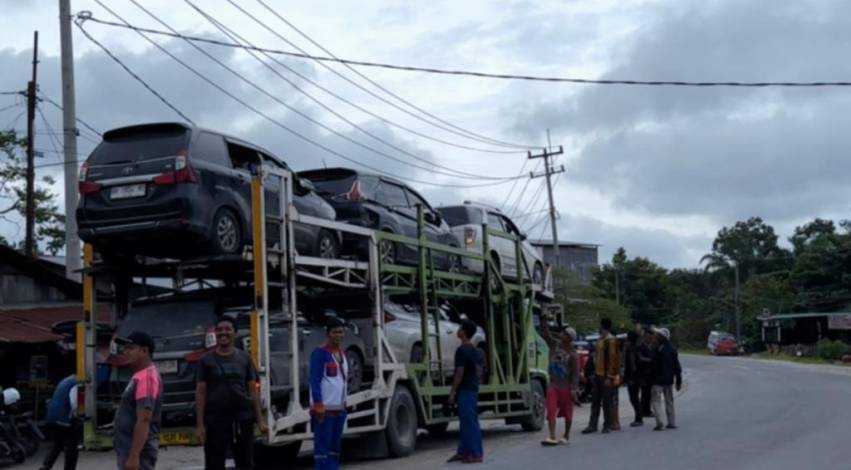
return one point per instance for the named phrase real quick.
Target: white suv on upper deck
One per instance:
(466, 221)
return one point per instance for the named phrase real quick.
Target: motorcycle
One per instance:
(19, 435)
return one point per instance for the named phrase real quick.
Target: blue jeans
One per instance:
(470, 437)
(327, 440)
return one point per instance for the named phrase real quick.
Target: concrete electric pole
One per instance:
(30, 248)
(548, 172)
(73, 258)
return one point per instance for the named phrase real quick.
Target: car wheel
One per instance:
(327, 246)
(417, 353)
(494, 283)
(355, 378)
(227, 236)
(538, 274)
(402, 423)
(388, 252)
(454, 264)
(534, 421)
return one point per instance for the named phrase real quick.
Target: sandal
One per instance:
(549, 442)
(563, 441)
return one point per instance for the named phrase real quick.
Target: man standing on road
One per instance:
(328, 390)
(137, 420)
(63, 425)
(469, 366)
(666, 371)
(564, 378)
(632, 376)
(645, 364)
(606, 373)
(227, 401)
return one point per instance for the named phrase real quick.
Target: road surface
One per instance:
(734, 413)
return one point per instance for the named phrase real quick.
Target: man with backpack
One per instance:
(227, 401)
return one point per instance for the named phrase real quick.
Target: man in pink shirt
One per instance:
(138, 418)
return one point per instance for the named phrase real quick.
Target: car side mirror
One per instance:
(433, 218)
(523, 236)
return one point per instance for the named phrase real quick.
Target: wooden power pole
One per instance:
(548, 172)
(30, 248)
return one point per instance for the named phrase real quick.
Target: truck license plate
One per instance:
(166, 367)
(126, 192)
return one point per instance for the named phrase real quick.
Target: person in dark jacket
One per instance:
(632, 376)
(666, 373)
(64, 427)
(645, 364)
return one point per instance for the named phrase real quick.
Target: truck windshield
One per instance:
(169, 319)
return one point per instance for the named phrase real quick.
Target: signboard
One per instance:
(839, 322)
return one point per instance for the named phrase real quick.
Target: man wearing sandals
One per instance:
(564, 378)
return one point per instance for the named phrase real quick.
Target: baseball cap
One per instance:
(139, 338)
(663, 331)
(571, 332)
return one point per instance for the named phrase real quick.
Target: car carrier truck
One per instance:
(398, 397)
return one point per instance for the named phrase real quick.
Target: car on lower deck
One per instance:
(466, 221)
(384, 204)
(174, 190)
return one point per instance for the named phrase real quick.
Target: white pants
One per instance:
(668, 392)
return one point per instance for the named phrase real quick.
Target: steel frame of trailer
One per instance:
(506, 309)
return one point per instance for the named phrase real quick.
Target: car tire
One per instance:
(402, 423)
(494, 283)
(538, 274)
(355, 377)
(226, 237)
(387, 251)
(417, 353)
(453, 263)
(534, 421)
(327, 246)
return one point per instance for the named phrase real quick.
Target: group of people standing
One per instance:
(649, 367)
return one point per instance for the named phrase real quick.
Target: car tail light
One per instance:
(469, 235)
(182, 172)
(86, 187)
(210, 339)
(355, 194)
(84, 171)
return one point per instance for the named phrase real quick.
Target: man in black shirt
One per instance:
(227, 401)
(469, 365)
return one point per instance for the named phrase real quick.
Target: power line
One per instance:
(469, 134)
(131, 73)
(46, 98)
(313, 120)
(9, 107)
(86, 16)
(513, 207)
(22, 93)
(513, 185)
(273, 120)
(51, 135)
(228, 32)
(502, 76)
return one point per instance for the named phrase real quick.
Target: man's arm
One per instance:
(258, 403)
(317, 371)
(200, 403)
(678, 370)
(140, 436)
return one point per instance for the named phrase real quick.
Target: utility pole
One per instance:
(548, 172)
(73, 257)
(736, 299)
(30, 248)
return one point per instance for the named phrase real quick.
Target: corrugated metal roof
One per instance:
(34, 324)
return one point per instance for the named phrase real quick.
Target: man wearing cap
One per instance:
(328, 390)
(137, 420)
(666, 372)
(564, 378)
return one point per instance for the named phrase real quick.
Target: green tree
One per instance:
(752, 245)
(639, 284)
(584, 305)
(822, 270)
(49, 225)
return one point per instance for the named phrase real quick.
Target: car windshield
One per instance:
(169, 319)
(139, 145)
(461, 215)
(727, 339)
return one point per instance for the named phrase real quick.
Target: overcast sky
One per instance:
(656, 170)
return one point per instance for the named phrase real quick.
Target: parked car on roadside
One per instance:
(385, 204)
(181, 340)
(466, 221)
(176, 190)
(722, 344)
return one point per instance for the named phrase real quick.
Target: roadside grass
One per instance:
(696, 351)
(801, 360)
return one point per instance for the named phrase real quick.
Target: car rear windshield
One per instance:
(169, 319)
(461, 215)
(139, 144)
(340, 182)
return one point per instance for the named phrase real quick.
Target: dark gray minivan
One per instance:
(175, 190)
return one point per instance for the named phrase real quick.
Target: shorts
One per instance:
(559, 402)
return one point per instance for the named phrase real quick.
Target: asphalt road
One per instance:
(733, 414)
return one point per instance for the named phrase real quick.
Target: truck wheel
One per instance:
(355, 379)
(402, 423)
(535, 420)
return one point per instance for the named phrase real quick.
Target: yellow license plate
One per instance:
(176, 439)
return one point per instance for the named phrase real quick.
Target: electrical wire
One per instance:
(22, 93)
(535, 198)
(46, 98)
(450, 126)
(514, 184)
(275, 121)
(51, 136)
(503, 76)
(249, 47)
(310, 118)
(9, 107)
(234, 36)
(133, 74)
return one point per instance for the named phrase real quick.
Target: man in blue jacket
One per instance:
(328, 373)
(63, 425)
